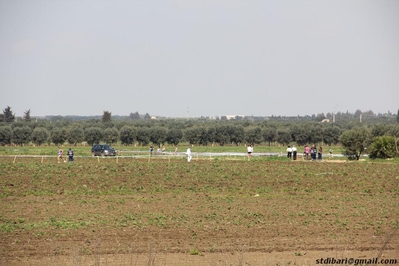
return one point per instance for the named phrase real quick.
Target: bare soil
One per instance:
(202, 213)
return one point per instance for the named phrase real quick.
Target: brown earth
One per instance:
(224, 213)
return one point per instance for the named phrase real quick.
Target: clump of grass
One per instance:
(195, 252)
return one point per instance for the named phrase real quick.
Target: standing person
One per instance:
(151, 150)
(307, 151)
(289, 152)
(330, 153)
(188, 154)
(250, 150)
(312, 153)
(320, 154)
(70, 155)
(294, 152)
(60, 151)
(176, 150)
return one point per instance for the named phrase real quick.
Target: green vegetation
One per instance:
(355, 135)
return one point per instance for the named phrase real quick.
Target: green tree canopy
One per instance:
(331, 134)
(21, 135)
(284, 136)
(75, 134)
(158, 136)
(111, 135)
(93, 135)
(106, 117)
(269, 134)
(8, 115)
(174, 136)
(222, 135)
(135, 116)
(26, 116)
(253, 135)
(40, 135)
(5, 135)
(355, 142)
(143, 136)
(58, 135)
(192, 135)
(382, 147)
(301, 133)
(128, 135)
(237, 134)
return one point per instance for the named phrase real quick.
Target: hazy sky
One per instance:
(210, 58)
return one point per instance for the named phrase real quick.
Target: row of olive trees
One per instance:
(202, 135)
(127, 135)
(379, 141)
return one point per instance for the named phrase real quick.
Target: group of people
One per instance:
(188, 152)
(311, 153)
(292, 152)
(161, 150)
(60, 157)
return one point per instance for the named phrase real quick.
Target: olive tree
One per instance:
(111, 135)
(355, 142)
(58, 136)
(203, 136)
(127, 135)
(40, 135)
(301, 133)
(143, 136)
(158, 136)
(254, 135)
(174, 136)
(222, 135)
(21, 135)
(5, 135)
(75, 134)
(237, 134)
(284, 136)
(269, 134)
(192, 135)
(93, 135)
(331, 134)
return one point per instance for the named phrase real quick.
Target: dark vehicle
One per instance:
(102, 150)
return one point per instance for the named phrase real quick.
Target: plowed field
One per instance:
(102, 211)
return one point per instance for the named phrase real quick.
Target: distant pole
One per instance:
(188, 111)
(335, 110)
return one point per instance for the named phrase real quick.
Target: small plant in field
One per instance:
(298, 254)
(195, 252)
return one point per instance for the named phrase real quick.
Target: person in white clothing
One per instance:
(294, 152)
(289, 152)
(250, 150)
(188, 154)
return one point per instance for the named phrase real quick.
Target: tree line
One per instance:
(379, 140)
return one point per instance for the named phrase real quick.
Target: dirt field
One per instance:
(207, 212)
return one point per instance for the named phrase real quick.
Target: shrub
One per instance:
(382, 147)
